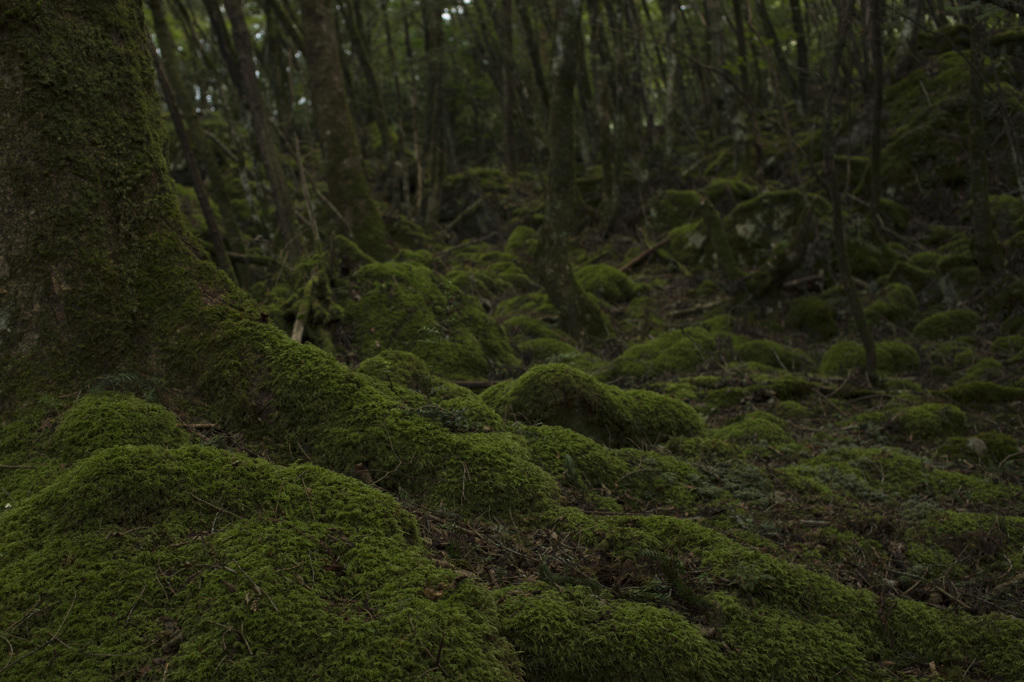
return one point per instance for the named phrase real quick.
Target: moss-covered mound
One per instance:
(946, 325)
(673, 353)
(606, 282)
(196, 563)
(105, 420)
(406, 306)
(894, 357)
(564, 396)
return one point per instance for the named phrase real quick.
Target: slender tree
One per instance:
(578, 315)
(347, 188)
(266, 142)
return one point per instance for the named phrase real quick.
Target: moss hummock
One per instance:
(948, 324)
(205, 564)
(564, 396)
(406, 306)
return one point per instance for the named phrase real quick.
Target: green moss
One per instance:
(982, 392)
(897, 304)
(229, 564)
(105, 420)
(930, 421)
(405, 306)
(946, 325)
(670, 354)
(894, 357)
(772, 354)
(547, 350)
(606, 282)
(790, 410)
(561, 395)
(686, 243)
(916, 277)
(522, 242)
(1007, 214)
(755, 428)
(674, 208)
(571, 633)
(812, 315)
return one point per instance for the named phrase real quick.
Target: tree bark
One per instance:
(347, 188)
(578, 315)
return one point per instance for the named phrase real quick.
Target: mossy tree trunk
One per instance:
(578, 315)
(347, 188)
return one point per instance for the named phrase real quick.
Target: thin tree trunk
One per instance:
(877, 91)
(433, 142)
(197, 138)
(265, 140)
(347, 188)
(985, 247)
(838, 222)
(578, 316)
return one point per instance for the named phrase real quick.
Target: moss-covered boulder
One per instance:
(894, 357)
(812, 315)
(408, 307)
(572, 633)
(756, 226)
(606, 282)
(897, 304)
(104, 420)
(673, 353)
(674, 208)
(930, 421)
(755, 428)
(948, 324)
(561, 395)
(772, 354)
(983, 392)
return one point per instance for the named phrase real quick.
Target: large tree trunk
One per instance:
(347, 188)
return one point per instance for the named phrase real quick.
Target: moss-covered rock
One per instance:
(946, 325)
(564, 396)
(674, 208)
(571, 633)
(755, 428)
(813, 316)
(673, 353)
(894, 357)
(408, 307)
(772, 354)
(982, 392)
(686, 243)
(897, 304)
(148, 558)
(930, 421)
(105, 420)
(606, 282)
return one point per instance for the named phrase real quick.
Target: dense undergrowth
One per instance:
(714, 491)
